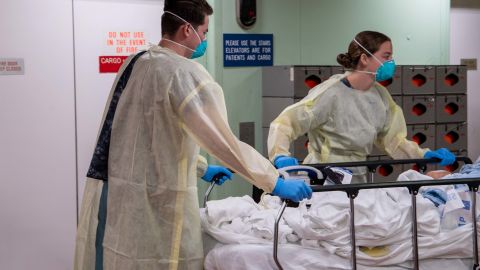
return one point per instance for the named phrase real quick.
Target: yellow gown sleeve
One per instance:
(299, 118)
(292, 122)
(204, 118)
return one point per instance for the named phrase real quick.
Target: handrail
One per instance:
(370, 164)
(408, 184)
(413, 187)
(376, 163)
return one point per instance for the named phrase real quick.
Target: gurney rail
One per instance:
(352, 191)
(372, 165)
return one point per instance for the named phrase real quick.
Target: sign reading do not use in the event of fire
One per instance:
(247, 50)
(120, 44)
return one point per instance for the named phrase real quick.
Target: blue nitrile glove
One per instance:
(446, 157)
(223, 174)
(292, 189)
(284, 161)
(437, 196)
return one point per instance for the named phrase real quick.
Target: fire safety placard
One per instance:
(120, 44)
(111, 64)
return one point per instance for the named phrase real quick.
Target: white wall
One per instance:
(94, 19)
(37, 138)
(48, 111)
(464, 43)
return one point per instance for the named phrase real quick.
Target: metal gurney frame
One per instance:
(413, 187)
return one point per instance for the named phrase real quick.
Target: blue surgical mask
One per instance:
(201, 47)
(200, 50)
(385, 71)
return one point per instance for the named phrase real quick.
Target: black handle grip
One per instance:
(216, 178)
(291, 203)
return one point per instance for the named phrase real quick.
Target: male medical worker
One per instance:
(140, 207)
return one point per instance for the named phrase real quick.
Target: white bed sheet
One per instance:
(259, 257)
(238, 233)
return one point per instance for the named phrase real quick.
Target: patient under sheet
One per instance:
(382, 224)
(453, 201)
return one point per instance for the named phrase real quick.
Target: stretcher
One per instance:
(352, 191)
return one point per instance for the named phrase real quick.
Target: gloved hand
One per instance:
(284, 161)
(295, 190)
(222, 173)
(446, 157)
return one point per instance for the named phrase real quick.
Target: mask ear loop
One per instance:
(365, 49)
(198, 36)
(176, 16)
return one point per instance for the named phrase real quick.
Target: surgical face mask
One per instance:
(201, 47)
(385, 71)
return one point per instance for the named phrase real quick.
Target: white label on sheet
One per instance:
(291, 74)
(12, 66)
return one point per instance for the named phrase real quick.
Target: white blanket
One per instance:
(291, 257)
(382, 225)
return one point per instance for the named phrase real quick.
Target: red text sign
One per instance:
(111, 64)
(126, 42)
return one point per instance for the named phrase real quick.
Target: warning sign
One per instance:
(247, 50)
(119, 45)
(111, 64)
(126, 42)
(12, 66)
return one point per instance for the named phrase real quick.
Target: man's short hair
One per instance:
(193, 11)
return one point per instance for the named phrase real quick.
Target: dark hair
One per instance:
(371, 40)
(193, 11)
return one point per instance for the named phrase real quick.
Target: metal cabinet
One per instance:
(418, 80)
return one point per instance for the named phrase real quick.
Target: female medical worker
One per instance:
(349, 113)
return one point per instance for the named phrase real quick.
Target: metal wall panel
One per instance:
(277, 81)
(272, 107)
(452, 136)
(418, 80)
(451, 108)
(451, 79)
(423, 134)
(419, 109)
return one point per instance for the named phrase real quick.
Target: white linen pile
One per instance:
(382, 225)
